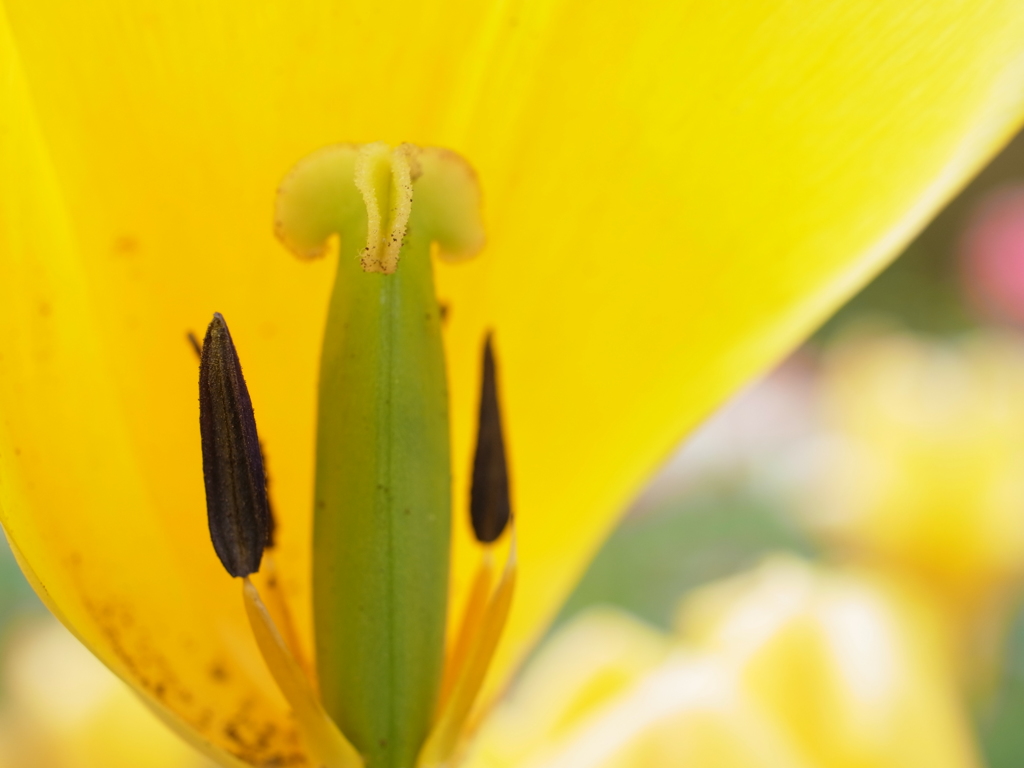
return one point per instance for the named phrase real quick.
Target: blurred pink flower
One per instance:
(992, 254)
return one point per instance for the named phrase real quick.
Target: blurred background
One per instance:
(892, 443)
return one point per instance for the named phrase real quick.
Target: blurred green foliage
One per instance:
(1001, 719)
(654, 558)
(17, 600)
(16, 596)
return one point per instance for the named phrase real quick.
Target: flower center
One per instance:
(385, 692)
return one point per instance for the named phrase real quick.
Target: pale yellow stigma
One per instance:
(380, 196)
(385, 180)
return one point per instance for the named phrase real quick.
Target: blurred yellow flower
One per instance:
(923, 470)
(787, 666)
(63, 709)
(674, 196)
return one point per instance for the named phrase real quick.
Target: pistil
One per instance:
(383, 476)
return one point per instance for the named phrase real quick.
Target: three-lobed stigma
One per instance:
(371, 195)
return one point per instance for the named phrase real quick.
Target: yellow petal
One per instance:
(608, 692)
(73, 495)
(853, 669)
(674, 194)
(688, 711)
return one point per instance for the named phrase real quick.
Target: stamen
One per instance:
(277, 604)
(484, 619)
(196, 346)
(325, 741)
(489, 505)
(236, 495)
(448, 728)
(469, 627)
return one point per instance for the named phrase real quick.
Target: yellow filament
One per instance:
(469, 628)
(277, 606)
(444, 736)
(326, 743)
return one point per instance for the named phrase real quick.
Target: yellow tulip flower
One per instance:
(853, 667)
(673, 196)
(924, 473)
(786, 666)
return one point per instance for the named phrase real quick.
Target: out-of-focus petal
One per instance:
(63, 709)
(786, 666)
(924, 470)
(854, 670)
(593, 660)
